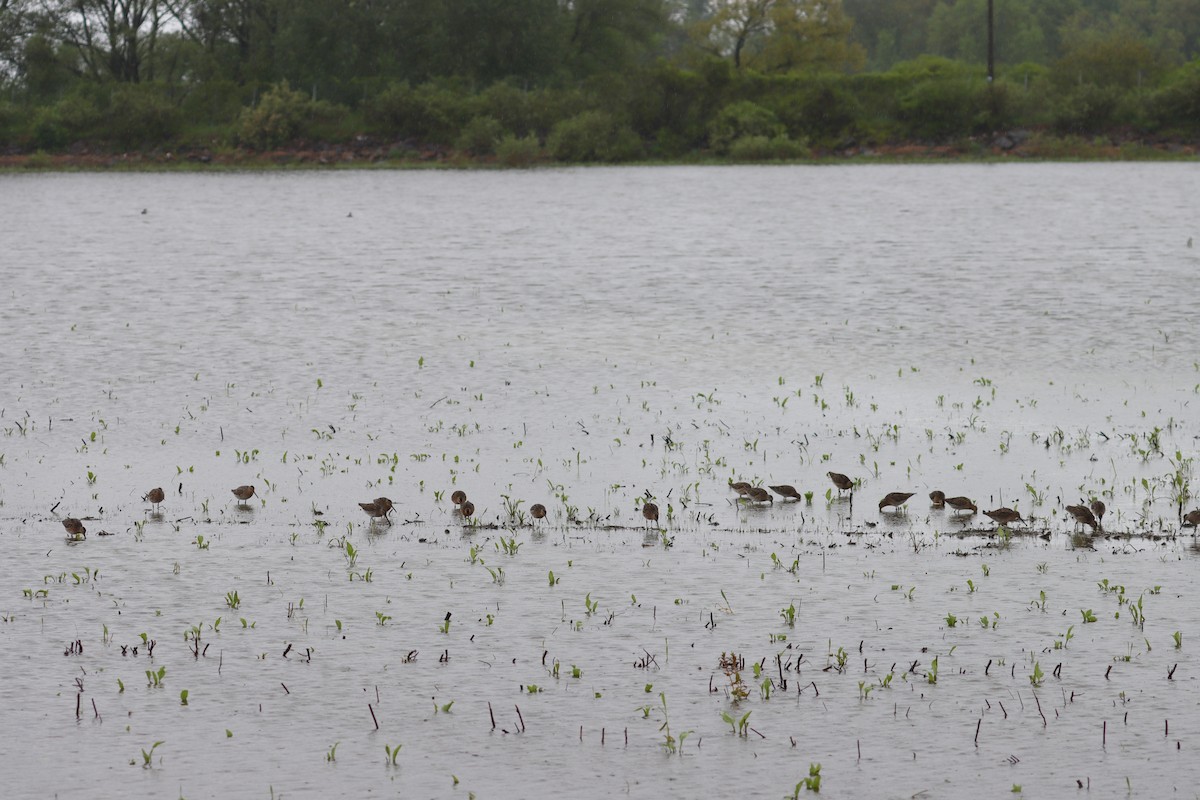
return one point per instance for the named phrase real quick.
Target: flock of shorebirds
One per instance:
(381, 507)
(1090, 515)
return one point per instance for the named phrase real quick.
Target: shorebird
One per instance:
(1098, 508)
(379, 507)
(895, 500)
(759, 495)
(741, 487)
(937, 498)
(243, 493)
(842, 482)
(537, 511)
(961, 504)
(154, 496)
(1192, 519)
(467, 508)
(785, 491)
(459, 497)
(1004, 516)
(1083, 516)
(650, 512)
(75, 529)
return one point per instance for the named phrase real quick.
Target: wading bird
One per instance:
(379, 507)
(75, 529)
(937, 498)
(961, 504)
(895, 500)
(842, 482)
(154, 496)
(1004, 516)
(243, 493)
(785, 491)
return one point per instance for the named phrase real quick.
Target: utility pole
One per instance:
(991, 42)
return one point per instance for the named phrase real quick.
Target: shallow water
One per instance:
(1018, 334)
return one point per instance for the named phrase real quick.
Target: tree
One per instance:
(113, 38)
(779, 35)
(14, 28)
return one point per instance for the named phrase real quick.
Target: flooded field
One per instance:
(595, 341)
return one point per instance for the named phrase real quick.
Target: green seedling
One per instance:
(332, 754)
(812, 783)
(590, 605)
(951, 620)
(789, 615)
(154, 678)
(382, 618)
(1088, 616)
(148, 754)
(445, 626)
(392, 753)
(1178, 637)
(553, 580)
(864, 690)
(200, 543)
(232, 600)
(931, 675)
(1038, 677)
(183, 697)
(738, 725)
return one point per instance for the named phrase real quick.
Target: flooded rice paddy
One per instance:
(593, 340)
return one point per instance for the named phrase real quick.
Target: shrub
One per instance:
(1177, 104)
(763, 148)
(480, 136)
(1088, 109)
(140, 114)
(428, 113)
(593, 136)
(512, 151)
(276, 119)
(944, 108)
(740, 119)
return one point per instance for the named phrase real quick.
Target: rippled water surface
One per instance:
(592, 339)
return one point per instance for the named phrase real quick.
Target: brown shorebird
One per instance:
(154, 496)
(895, 500)
(75, 529)
(759, 495)
(1083, 516)
(1098, 508)
(379, 507)
(537, 511)
(842, 482)
(937, 498)
(1004, 516)
(741, 487)
(961, 504)
(243, 493)
(650, 512)
(1192, 519)
(786, 492)
(467, 508)
(459, 497)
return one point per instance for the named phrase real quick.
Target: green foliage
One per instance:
(593, 136)
(742, 119)
(480, 136)
(140, 115)
(762, 148)
(280, 116)
(430, 113)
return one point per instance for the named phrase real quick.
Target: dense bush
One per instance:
(512, 151)
(593, 136)
(763, 148)
(740, 119)
(480, 136)
(141, 115)
(275, 120)
(430, 113)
